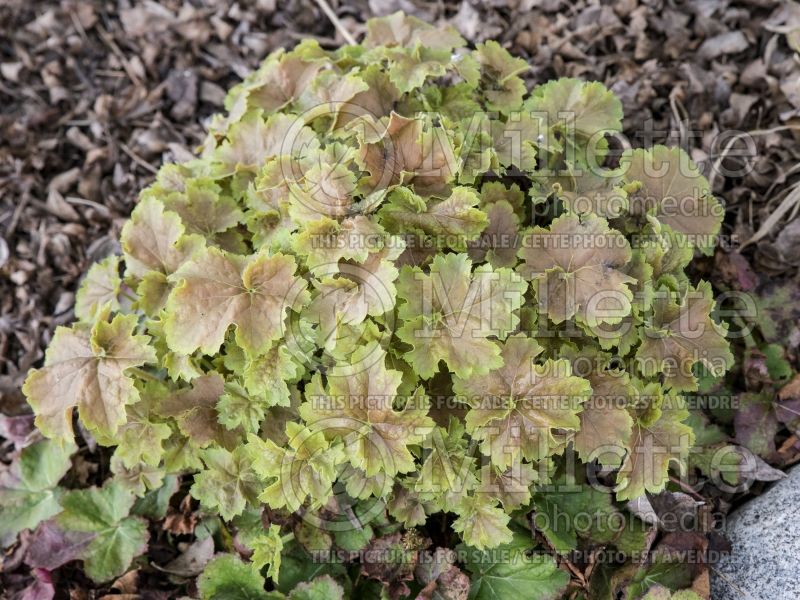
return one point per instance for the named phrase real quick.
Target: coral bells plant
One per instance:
(397, 296)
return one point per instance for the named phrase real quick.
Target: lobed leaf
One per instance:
(86, 368)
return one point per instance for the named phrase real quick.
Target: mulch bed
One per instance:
(95, 95)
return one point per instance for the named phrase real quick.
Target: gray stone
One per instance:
(765, 533)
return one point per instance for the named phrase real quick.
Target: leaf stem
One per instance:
(144, 374)
(127, 296)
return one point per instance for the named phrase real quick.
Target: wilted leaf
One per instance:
(756, 423)
(399, 29)
(252, 141)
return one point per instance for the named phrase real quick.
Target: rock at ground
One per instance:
(765, 534)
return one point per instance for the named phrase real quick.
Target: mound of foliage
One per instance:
(380, 328)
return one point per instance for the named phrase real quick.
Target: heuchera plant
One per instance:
(394, 287)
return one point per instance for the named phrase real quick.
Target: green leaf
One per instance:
(451, 222)
(447, 472)
(323, 587)
(228, 482)
(118, 538)
(451, 311)
(508, 572)
(358, 407)
(297, 567)
(680, 334)
(500, 79)
(155, 504)
(238, 409)
(515, 410)
(305, 469)
(202, 208)
(141, 439)
(778, 367)
(267, 550)
(582, 111)
(28, 488)
(659, 437)
(481, 523)
(564, 513)
(227, 576)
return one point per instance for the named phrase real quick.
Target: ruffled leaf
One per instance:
(576, 266)
(516, 408)
(679, 335)
(358, 406)
(450, 312)
(672, 189)
(87, 369)
(99, 290)
(218, 289)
